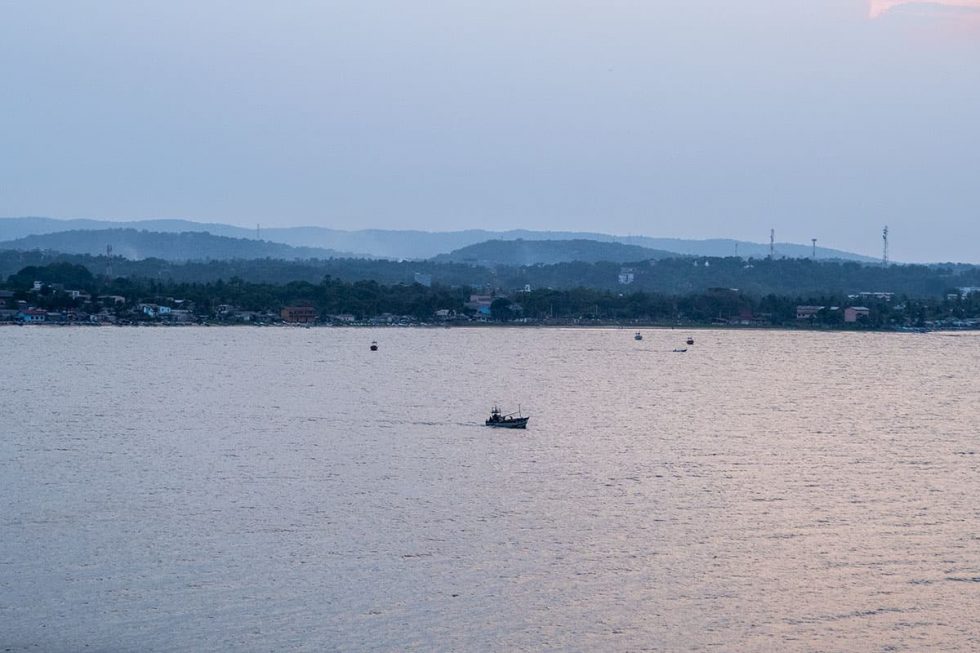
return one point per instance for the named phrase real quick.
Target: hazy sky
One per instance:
(687, 118)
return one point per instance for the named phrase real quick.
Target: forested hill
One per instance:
(537, 252)
(677, 276)
(415, 244)
(184, 246)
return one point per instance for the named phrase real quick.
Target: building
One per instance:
(745, 317)
(881, 296)
(722, 292)
(298, 314)
(149, 310)
(807, 312)
(180, 315)
(32, 315)
(423, 279)
(480, 304)
(626, 276)
(246, 316)
(102, 317)
(855, 313)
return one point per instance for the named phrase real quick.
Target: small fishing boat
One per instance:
(638, 336)
(499, 420)
(374, 345)
(680, 350)
(690, 340)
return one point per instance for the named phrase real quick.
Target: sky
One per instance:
(822, 119)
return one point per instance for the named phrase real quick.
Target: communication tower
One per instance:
(772, 243)
(257, 236)
(814, 241)
(884, 246)
(108, 262)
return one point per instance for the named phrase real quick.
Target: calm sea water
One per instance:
(287, 489)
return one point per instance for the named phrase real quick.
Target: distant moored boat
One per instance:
(638, 336)
(374, 345)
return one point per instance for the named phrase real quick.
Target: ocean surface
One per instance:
(277, 489)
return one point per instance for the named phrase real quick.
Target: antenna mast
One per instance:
(884, 246)
(772, 243)
(814, 241)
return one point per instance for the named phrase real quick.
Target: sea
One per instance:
(287, 489)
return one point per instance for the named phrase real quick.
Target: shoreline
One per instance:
(487, 325)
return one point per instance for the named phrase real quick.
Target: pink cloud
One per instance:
(879, 7)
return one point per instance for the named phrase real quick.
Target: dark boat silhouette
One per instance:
(509, 421)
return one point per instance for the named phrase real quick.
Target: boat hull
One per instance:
(516, 423)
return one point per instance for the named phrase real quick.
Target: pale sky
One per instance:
(690, 118)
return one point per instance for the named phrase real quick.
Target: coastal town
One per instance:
(337, 303)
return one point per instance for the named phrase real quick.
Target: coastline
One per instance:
(497, 325)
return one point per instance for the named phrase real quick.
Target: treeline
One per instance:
(676, 276)
(263, 270)
(365, 299)
(719, 307)
(330, 296)
(784, 277)
(515, 253)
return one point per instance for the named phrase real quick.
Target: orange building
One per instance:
(298, 314)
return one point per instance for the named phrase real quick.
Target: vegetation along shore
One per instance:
(68, 290)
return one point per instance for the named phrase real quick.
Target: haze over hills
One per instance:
(184, 246)
(411, 244)
(537, 252)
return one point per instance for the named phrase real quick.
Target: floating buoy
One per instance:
(374, 346)
(690, 341)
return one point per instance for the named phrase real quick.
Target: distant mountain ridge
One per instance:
(548, 252)
(413, 244)
(183, 246)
